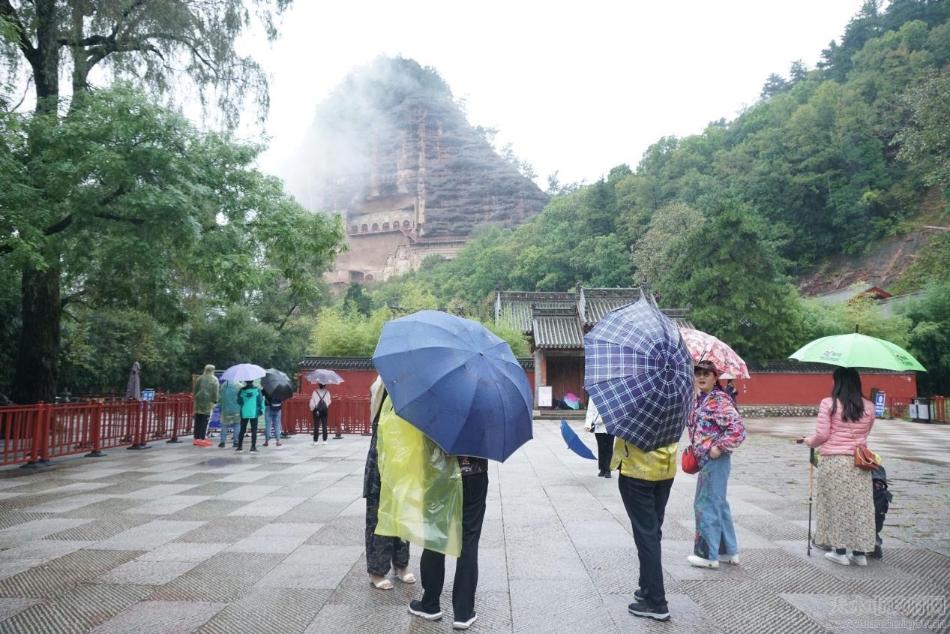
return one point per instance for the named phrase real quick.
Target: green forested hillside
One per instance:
(829, 160)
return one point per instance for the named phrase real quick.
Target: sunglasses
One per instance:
(702, 371)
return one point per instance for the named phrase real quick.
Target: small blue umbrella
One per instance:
(639, 374)
(243, 372)
(574, 443)
(457, 383)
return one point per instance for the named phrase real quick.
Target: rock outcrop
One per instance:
(392, 150)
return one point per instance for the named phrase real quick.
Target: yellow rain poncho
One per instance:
(421, 496)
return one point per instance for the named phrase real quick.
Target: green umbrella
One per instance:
(858, 351)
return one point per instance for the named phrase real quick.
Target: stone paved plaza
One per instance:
(180, 539)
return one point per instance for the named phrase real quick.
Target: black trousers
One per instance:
(201, 426)
(645, 502)
(244, 422)
(318, 420)
(432, 564)
(605, 451)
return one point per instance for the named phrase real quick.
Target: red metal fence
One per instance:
(36, 433)
(347, 415)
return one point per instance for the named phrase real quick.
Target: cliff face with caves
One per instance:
(393, 152)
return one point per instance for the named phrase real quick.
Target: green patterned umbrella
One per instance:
(858, 351)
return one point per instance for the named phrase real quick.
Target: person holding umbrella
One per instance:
(252, 406)
(715, 431)
(277, 388)
(461, 386)
(320, 401)
(637, 372)
(205, 396)
(844, 501)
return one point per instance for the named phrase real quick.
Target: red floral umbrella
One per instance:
(704, 347)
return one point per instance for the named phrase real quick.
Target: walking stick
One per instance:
(811, 471)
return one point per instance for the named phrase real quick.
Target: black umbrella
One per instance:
(277, 385)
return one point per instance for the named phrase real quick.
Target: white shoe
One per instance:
(838, 559)
(315, 443)
(730, 559)
(699, 562)
(324, 441)
(464, 625)
(859, 560)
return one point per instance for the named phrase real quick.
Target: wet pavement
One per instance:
(185, 539)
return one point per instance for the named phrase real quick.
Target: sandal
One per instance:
(406, 576)
(382, 584)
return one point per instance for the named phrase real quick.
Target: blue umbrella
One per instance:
(639, 374)
(243, 372)
(574, 443)
(457, 383)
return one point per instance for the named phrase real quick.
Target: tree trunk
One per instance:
(38, 354)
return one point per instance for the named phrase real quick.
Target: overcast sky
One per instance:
(576, 87)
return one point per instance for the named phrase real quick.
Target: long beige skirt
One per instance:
(844, 505)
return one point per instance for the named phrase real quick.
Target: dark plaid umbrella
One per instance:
(639, 374)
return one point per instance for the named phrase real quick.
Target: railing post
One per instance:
(339, 421)
(36, 440)
(141, 417)
(44, 432)
(96, 432)
(176, 414)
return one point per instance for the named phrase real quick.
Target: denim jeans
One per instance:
(271, 416)
(715, 533)
(230, 428)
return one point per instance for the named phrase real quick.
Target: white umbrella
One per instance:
(325, 377)
(243, 372)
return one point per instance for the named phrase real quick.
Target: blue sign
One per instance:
(148, 394)
(879, 399)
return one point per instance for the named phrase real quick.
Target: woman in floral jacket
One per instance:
(715, 431)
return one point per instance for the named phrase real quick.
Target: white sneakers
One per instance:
(324, 441)
(847, 560)
(840, 559)
(699, 562)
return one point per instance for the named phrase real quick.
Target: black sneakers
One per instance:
(647, 611)
(416, 609)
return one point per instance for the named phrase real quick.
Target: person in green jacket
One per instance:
(230, 413)
(252, 406)
(205, 395)
(646, 478)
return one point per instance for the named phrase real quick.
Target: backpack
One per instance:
(321, 407)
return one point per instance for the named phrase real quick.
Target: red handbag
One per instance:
(688, 460)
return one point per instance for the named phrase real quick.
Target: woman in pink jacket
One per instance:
(845, 505)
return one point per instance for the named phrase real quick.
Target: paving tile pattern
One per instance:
(187, 539)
